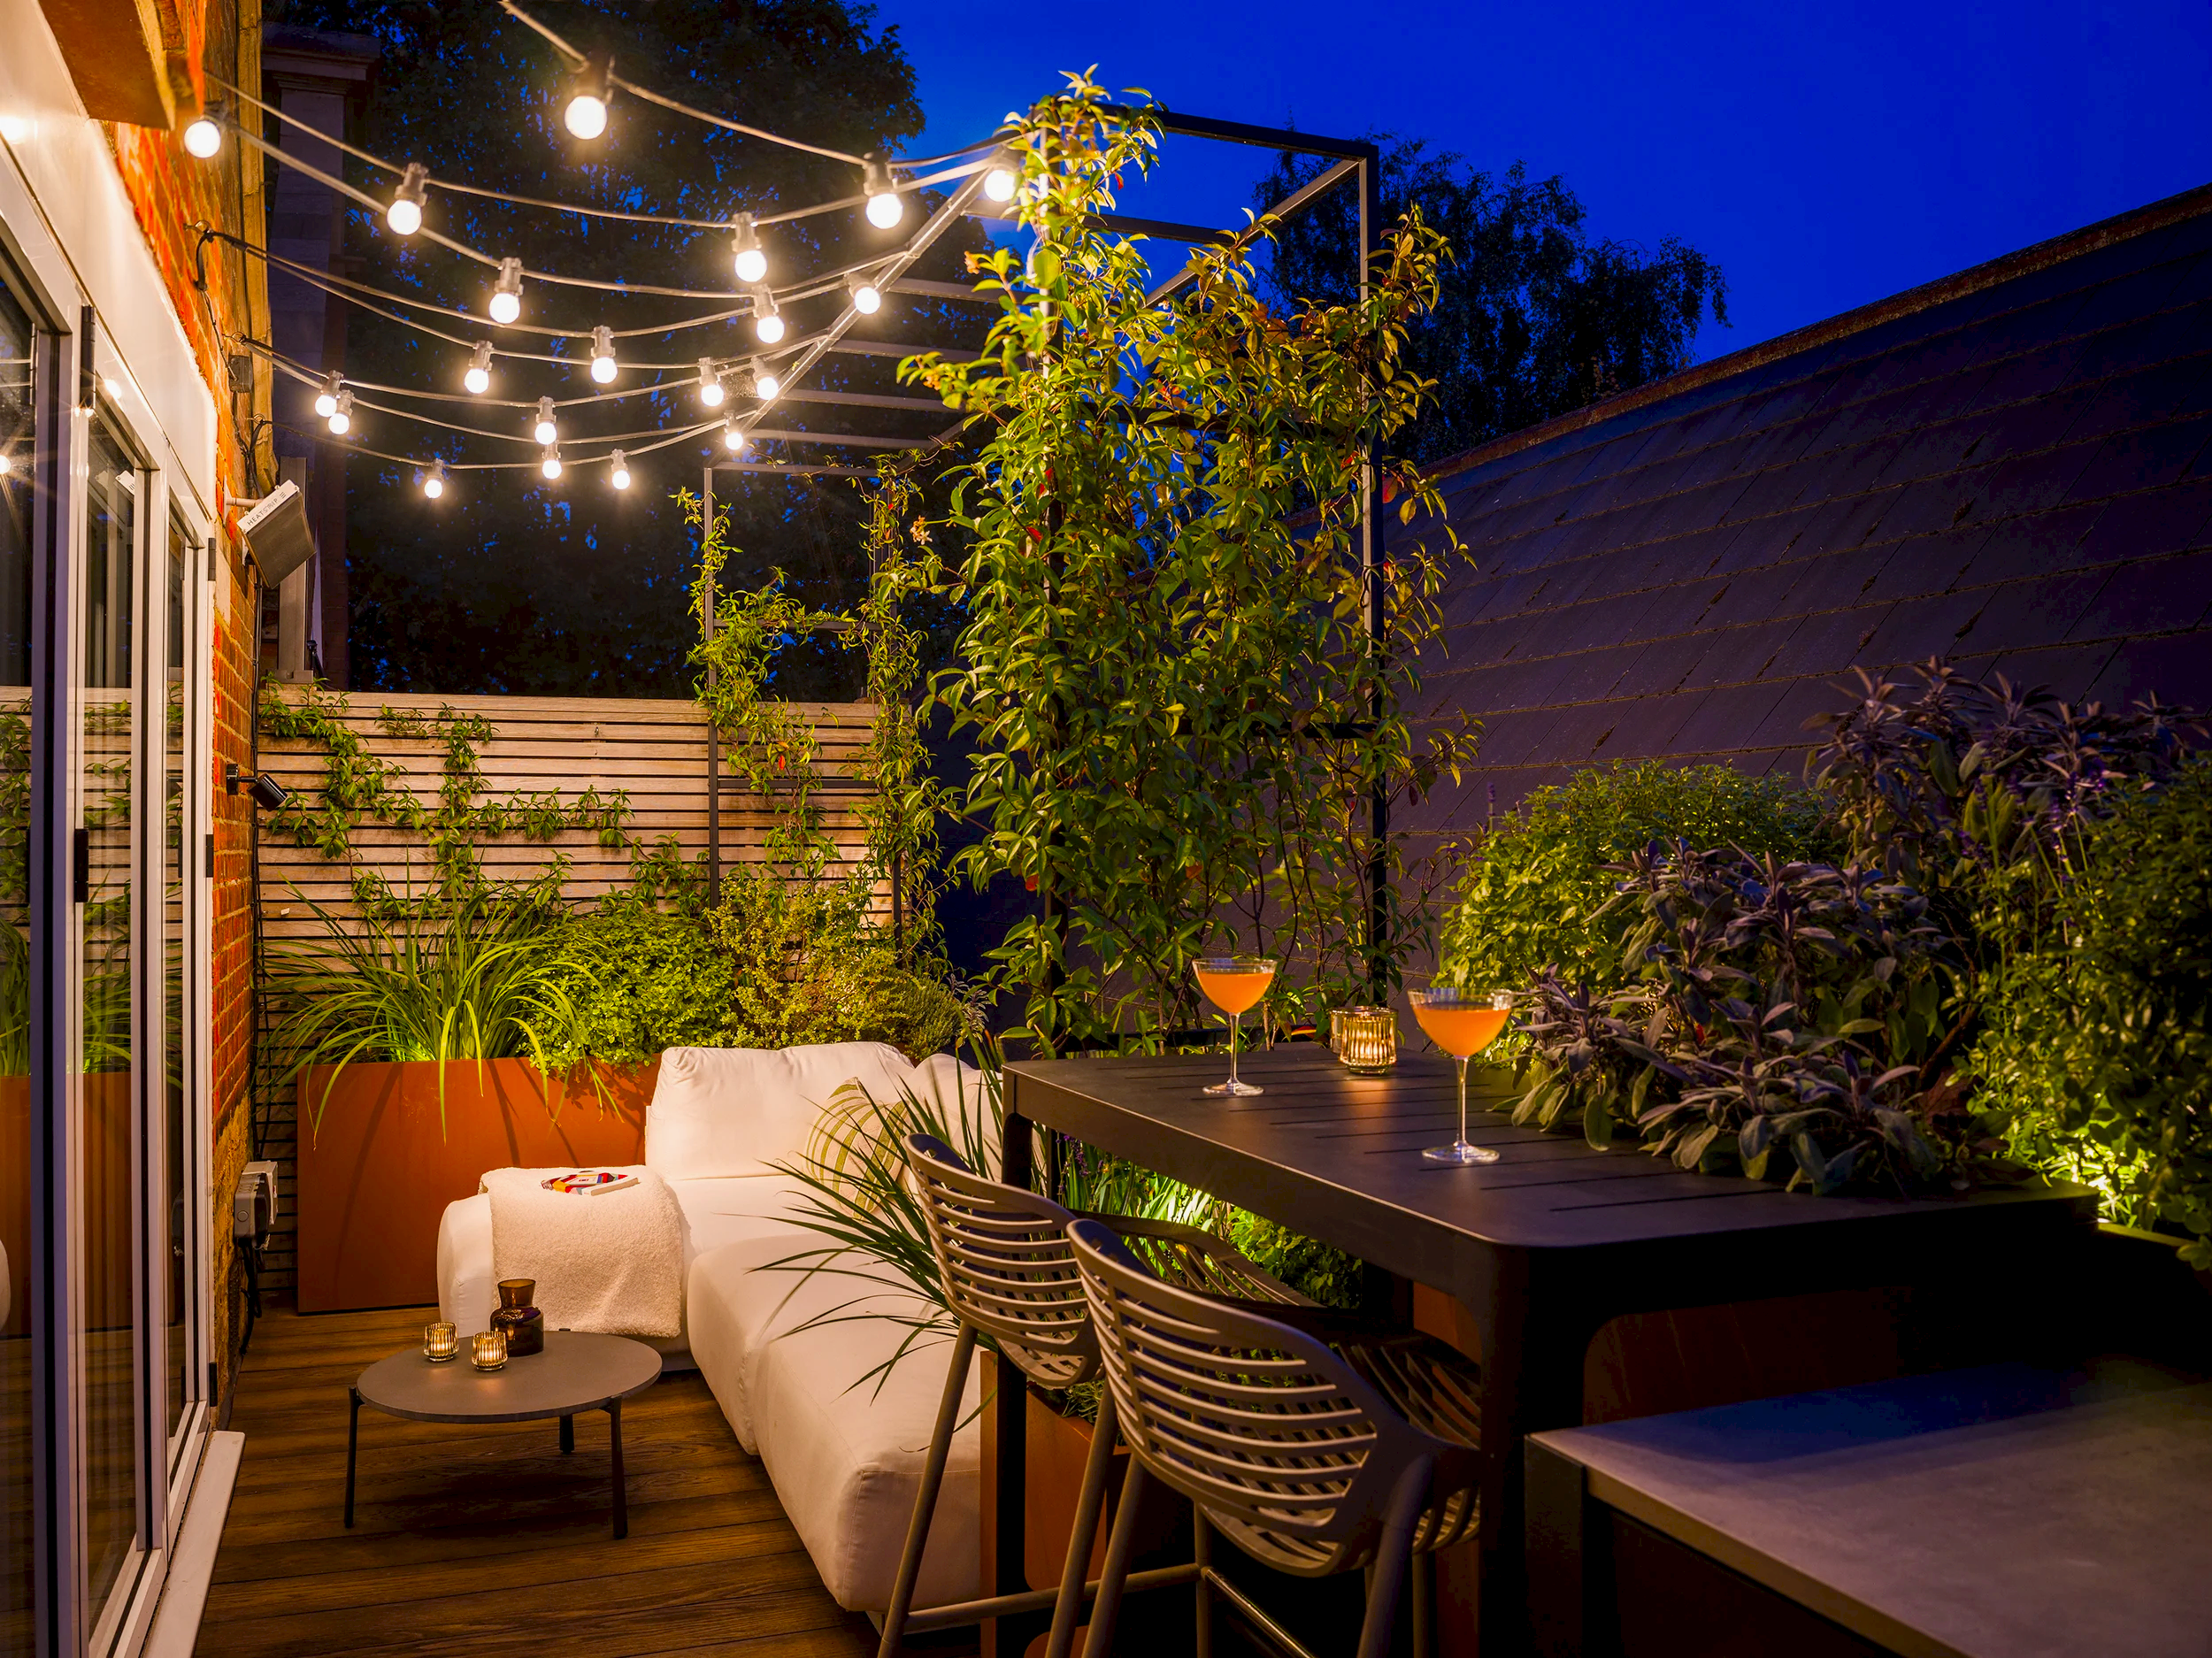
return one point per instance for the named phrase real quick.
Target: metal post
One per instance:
(714, 734)
(1377, 619)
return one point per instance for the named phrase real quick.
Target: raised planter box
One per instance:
(376, 1179)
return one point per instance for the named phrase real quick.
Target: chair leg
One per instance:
(1392, 1558)
(1107, 1608)
(1425, 1605)
(1067, 1612)
(926, 1498)
(1201, 1539)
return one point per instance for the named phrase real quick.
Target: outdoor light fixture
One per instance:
(545, 431)
(767, 320)
(341, 415)
(752, 264)
(620, 476)
(867, 297)
(710, 383)
(586, 115)
(326, 399)
(764, 381)
(204, 138)
(478, 379)
(551, 464)
(433, 481)
(405, 215)
(265, 789)
(507, 294)
(602, 363)
(999, 183)
(885, 207)
(732, 435)
(7, 462)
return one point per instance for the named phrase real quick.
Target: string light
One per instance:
(7, 462)
(204, 138)
(867, 297)
(507, 293)
(710, 383)
(405, 215)
(586, 115)
(602, 363)
(767, 320)
(341, 415)
(546, 431)
(620, 476)
(326, 399)
(885, 207)
(999, 183)
(751, 262)
(766, 384)
(478, 378)
(732, 435)
(550, 465)
(433, 481)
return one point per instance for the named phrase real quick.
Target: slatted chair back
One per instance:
(1284, 1446)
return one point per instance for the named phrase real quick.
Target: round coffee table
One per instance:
(577, 1371)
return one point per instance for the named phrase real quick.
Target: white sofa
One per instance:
(845, 1455)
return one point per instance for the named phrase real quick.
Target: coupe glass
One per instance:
(1233, 982)
(1462, 1023)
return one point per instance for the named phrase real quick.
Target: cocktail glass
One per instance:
(1462, 1023)
(1233, 982)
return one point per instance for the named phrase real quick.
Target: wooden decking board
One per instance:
(473, 1541)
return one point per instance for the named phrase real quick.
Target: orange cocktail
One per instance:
(1234, 983)
(1462, 1023)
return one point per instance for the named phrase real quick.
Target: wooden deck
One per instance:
(486, 1539)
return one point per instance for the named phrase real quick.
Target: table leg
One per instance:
(621, 1482)
(568, 1435)
(1009, 1428)
(353, 1446)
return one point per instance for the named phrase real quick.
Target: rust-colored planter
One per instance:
(375, 1181)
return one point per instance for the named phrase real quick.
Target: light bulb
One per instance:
(7, 462)
(766, 384)
(478, 378)
(326, 399)
(885, 206)
(732, 435)
(767, 320)
(603, 364)
(867, 297)
(433, 481)
(620, 476)
(752, 264)
(710, 383)
(998, 184)
(586, 115)
(341, 415)
(545, 431)
(204, 138)
(405, 215)
(507, 295)
(551, 464)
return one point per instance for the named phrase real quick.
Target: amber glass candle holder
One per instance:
(488, 1350)
(1365, 1039)
(441, 1342)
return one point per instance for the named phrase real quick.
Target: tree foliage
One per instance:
(1533, 316)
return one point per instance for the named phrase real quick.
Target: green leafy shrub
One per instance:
(1537, 892)
(641, 980)
(2095, 1053)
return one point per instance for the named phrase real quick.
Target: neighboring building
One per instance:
(134, 429)
(2008, 469)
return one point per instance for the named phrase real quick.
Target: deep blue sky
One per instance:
(1826, 156)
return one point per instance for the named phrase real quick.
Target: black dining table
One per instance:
(1543, 1248)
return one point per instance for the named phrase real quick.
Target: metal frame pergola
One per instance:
(1352, 161)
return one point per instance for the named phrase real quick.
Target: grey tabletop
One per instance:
(1997, 1513)
(577, 1371)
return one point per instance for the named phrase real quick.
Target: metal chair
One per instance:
(1311, 1455)
(1003, 1258)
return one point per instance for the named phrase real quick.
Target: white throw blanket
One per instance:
(612, 1262)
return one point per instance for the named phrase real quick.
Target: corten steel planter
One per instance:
(375, 1182)
(105, 1192)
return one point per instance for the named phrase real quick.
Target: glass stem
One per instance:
(1236, 1029)
(1462, 1099)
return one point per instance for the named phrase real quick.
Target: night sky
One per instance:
(1826, 156)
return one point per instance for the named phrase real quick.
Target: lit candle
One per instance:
(441, 1342)
(1366, 1038)
(489, 1351)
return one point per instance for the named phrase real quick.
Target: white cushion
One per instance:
(721, 1111)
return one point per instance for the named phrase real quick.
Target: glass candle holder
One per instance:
(488, 1350)
(1366, 1038)
(441, 1342)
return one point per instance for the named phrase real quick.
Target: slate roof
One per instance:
(2008, 468)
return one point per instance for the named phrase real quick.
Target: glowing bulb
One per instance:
(710, 383)
(732, 435)
(767, 320)
(326, 399)
(998, 184)
(551, 464)
(478, 378)
(341, 415)
(15, 129)
(586, 115)
(433, 481)
(603, 364)
(545, 431)
(405, 215)
(507, 295)
(867, 297)
(885, 206)
(752, 264)
(7, 462)
(764, 381)
(620, 476)
(204, 138)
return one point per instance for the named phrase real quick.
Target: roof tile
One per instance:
(2146, 525)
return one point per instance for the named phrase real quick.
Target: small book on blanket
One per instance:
(615, 1266)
